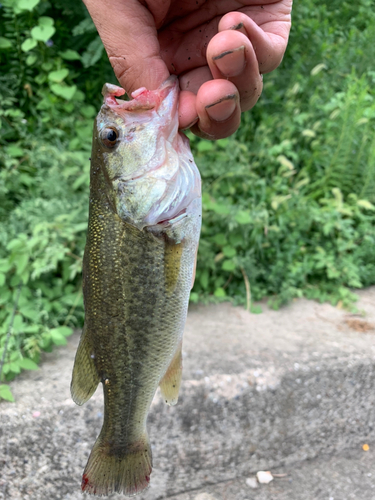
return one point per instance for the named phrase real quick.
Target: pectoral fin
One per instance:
(85, 378)
(172, 263)
(170, 383)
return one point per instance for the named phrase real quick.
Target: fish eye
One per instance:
(109, 136)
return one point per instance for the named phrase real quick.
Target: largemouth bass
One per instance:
(138, 269)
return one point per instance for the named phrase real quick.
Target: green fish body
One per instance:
(143, 233)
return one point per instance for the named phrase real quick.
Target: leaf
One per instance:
(5, 265)
(14, 151)
(229, 251)
(14, 367)
(47, 66)
(43, 33)
(28, 44)
(228, 265)
(27, 4)
(70, 55)
(31, 59)
(62, 330)
(85, 26)
(21, 262)
(46, 21)
(59, 75)
(242, 217)
(2, 279)
(5, 43)
(18, 324)
(88, 111)
(220, 292)
(64, 90)
(27, 364)
(30, 313)
(6, 393)
(6, 368)
(220, 239)
(93, 53)
(57, 338)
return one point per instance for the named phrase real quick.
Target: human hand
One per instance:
(218, 48)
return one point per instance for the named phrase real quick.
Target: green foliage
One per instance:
(289, 201)
(45, 136)
(295, 212)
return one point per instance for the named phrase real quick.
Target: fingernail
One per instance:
(190, 125)
(222, 109)
(231, 62)
(236, 26)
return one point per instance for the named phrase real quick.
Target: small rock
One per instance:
(252, 482)
(36, 414)
(204, 496)
(43, 469)
(264, 477)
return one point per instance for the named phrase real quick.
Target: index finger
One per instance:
(129, 35)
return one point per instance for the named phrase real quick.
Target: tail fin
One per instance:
(108, 470)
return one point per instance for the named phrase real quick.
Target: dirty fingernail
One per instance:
(231, 62)
(236, 26)
(221, 110)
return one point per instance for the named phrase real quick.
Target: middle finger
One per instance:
(231, 56)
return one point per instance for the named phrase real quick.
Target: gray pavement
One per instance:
(349, 476)
(290, 391)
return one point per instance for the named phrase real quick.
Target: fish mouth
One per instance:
(142, 99)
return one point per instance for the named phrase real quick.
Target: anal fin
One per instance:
(85, 378)
(170, 383)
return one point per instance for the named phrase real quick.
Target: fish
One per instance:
(138, 269)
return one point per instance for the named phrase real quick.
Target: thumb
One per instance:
(129, 35)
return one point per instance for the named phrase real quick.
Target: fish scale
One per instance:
(137, 276)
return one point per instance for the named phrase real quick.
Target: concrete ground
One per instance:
(289, 391)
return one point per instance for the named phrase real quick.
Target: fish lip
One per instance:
(143, 99)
